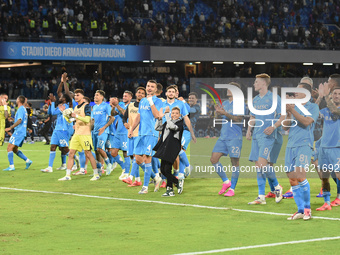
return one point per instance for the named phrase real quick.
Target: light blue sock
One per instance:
(120, 161)
(326, 196)
(82, 159)
(181, 167)
(63, 159)
(147, 174)
(183, 158)
(21, 155)
(143, 168)
(261, 181)
(270, 182)
(51, 159)
(134, 168)
(155, 165)
(272, 177)
(10, 157)
(234, 177)
(110, 157)
(219, 170)
(127, 164)
(107, 161)
(99, 165)
(298, 198)
(305, 192)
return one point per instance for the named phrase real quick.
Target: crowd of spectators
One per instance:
(36, 86)
(220, 23)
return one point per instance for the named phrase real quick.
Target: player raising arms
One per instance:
(147, 135)
(18, 137)
(81, 139)
(299, 152)
(60, 136)
(329, 155)
(229, 142)
(264, 137)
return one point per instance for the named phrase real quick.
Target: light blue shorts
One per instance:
(144, 145)
(17, 139)
(99, 141)
(329, 159)
(261, 148)
(297, 157)
(120, 142)
(60, 138)
(231, 147)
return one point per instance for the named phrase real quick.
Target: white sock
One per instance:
(95, 171)
(131, 177)
(338, 196)
(137, 179)
(226, 182)
(262, 197)
(277, 187)
(11, 166)
(27, 160)
(180, 175)
(68, 172)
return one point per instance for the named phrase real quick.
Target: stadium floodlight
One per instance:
(170, 61)
(217, 63)
(327, 64)
(307, 64)
(238, 63)
(260, 63)
(197, 62)
(146, 61)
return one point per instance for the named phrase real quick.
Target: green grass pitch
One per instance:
(62, 223)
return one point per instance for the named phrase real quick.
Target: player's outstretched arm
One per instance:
(188, 123)
(14, 125)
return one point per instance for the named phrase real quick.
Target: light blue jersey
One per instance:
(61, 123)
(100, 113)
(147, 120)
(21, 129)
(230, 131)
(331, 129)
(121, 130)
(264, 121)
(301, 135)
(177, 103)
(195, 112)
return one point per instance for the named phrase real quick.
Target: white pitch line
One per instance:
(161, 202)
(261, 246)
